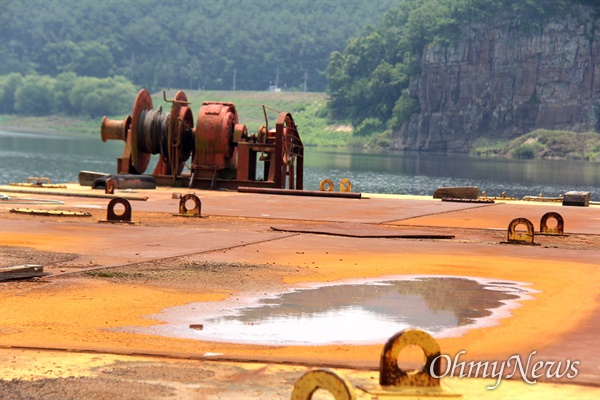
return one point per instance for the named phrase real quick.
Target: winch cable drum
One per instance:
(153, 132)
(223, 153)
(148, 131)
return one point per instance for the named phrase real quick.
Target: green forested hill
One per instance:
(185, 44)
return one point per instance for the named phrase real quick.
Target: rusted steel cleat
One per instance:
(555, 231)
(112, 216)
(184, 211)
(310, 382)
(519, 237)
(394, 383)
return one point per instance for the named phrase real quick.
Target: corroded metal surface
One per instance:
(57, 213)
(195, 211)
(557, 230)
(310, 382)
(299, 259)
(41, 182)
(224, 153)
(214, 141)
(345, 185)
(114, 216)
(139, 159)
(326, 185)
(390, 374)
(363, 231)
(519, 237)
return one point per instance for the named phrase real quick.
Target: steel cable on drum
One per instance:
(153, 132)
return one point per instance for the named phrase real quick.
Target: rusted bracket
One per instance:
(310, 382)
(520, 237)
(175, 100)
(115, 218)
(558, 230)
(39, 182)
(326, 185)
(184, 211)
(394, 383)
(390, 374)
(345, 185)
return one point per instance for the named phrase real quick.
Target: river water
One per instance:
(59, 158)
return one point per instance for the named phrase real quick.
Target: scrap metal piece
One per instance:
(124, 181)
(573, 198)
(109, 186)
(326, 185)
(39, 182)
(345, 185)
(310, 382)
(22, 272)
(51, 213)
(86, 178)
(296, 192)
(479, 200)
(196, 211)
(467, 192)
(557, 230)
(502, 197)
(543, 199)
(515, 237)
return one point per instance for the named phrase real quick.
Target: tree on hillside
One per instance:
(187, 44)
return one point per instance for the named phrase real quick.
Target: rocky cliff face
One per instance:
(502, 80)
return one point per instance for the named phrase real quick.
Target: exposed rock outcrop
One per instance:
(502, 80)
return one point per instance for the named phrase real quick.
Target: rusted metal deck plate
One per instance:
(89, 374)
(366, 210)
(112, 244)
(584, 220)
(363, 231)
(546, 323)
(250, 205)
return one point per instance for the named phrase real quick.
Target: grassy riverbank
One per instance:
(543, 144)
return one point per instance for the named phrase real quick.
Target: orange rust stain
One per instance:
(46, 242)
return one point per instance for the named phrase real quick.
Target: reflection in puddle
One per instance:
(351, 312)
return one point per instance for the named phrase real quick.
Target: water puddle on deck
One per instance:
(350, 312)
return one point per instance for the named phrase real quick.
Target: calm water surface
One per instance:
(366, 311)
(61, 158)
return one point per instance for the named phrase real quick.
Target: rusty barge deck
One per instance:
(104, 277)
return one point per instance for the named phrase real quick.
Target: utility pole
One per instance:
(305, 79)
(277, 78)
(234, 73)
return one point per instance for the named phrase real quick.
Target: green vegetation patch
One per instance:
(543, 144)
(113, 275)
